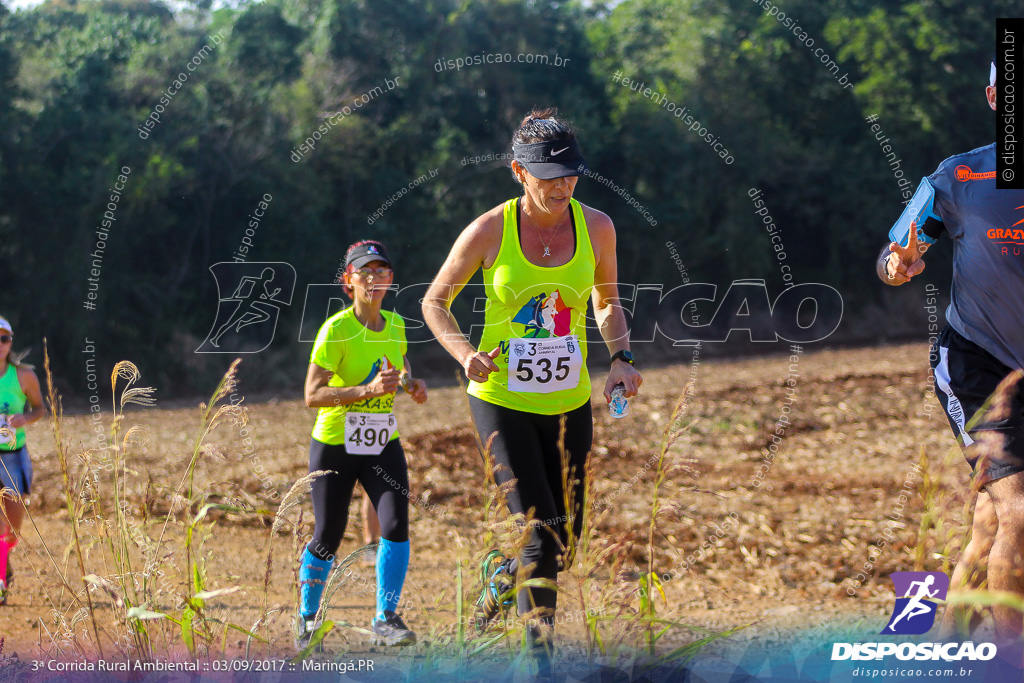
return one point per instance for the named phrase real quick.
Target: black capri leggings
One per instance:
(526, 448)
(384, 478)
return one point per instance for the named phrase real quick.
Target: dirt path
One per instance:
(782, 546)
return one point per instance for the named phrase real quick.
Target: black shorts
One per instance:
(965, 376)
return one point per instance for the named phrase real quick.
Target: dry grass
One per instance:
(185, 507)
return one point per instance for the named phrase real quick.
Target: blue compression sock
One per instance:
(392, 563)
(312, 578)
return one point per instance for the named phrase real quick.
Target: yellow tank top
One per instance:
(355, 354)
(529, 302)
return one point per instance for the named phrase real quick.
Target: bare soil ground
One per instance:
(786, 558)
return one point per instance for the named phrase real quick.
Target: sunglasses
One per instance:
(6, 339)
(379, 273)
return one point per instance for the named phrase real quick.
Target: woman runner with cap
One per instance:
(358, 363)
(542, 255)
(21, 403)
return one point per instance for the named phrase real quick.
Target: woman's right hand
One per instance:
(479, 365)
(386, 382)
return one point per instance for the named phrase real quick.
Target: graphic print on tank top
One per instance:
(545, 316)
(8, 437)
(375, 403)
(370, 423)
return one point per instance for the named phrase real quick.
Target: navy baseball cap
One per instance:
(367, 252)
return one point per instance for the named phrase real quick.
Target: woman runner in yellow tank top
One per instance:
(543, 255)
(357, 365)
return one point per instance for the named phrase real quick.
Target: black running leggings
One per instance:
(384, 477)
(525, 448)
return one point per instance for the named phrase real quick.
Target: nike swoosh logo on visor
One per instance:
(559, 151)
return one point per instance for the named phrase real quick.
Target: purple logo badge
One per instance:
(914, 612)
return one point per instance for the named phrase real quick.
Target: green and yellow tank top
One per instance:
(355, 355)
(12, 402)
(527, 302)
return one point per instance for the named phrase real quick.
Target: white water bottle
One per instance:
(619, 406)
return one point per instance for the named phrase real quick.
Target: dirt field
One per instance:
(786, 556)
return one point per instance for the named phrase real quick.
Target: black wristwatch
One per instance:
(622, 355)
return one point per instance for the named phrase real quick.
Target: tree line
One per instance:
(137, 144)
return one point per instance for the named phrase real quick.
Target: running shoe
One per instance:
(4, 593)
(498, 584)
(391, 630)
(304, 630)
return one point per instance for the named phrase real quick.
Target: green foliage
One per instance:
(266, 45)
(78, 79)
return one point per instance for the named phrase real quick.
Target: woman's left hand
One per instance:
(625, 374)
(418, 391)
(17, 420)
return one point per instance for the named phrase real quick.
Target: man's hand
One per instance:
(905, 262)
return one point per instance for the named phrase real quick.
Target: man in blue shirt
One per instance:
(982, 343)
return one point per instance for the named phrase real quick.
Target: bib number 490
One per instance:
(368, 433)
(544, 365)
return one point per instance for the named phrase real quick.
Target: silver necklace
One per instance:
(547, 249)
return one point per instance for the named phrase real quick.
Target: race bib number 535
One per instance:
(541, 366)
(368, 433)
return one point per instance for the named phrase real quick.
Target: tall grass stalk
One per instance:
(650, 581)
(56, 412)
(131, 562)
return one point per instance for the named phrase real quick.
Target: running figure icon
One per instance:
(250, 304)
(915, 607)
(250, 297)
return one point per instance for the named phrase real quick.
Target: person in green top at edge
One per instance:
(358, 363)
(543, 255)
(21, 403)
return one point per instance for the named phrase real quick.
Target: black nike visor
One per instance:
(551, 158)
